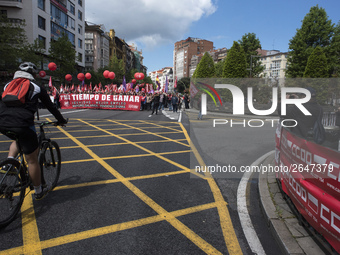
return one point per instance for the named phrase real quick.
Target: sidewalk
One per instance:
(292, 238)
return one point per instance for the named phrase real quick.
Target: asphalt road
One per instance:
(128, 186)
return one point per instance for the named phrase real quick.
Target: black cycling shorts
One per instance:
(27, 137)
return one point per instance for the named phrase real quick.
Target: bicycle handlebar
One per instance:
(55, 123)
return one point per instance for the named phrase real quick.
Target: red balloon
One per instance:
(42, 73)
(81, 76)
(68, 77)
(52, 66)
(88, 76)
(133, 81)
(139, 76)
(106, 73)
(112, 75)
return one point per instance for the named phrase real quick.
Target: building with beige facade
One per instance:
(275, 63)
(47, 20)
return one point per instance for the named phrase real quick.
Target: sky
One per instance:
(155, 25)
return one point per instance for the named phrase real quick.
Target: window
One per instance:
(59, 15)
(41, 4)
(72, 9)
(42, 41)
(80, 15)
(80, 2)
(72, 23)
(80, 57)
(80, 29)
(80, 43)
(3, 13)
(41, 23)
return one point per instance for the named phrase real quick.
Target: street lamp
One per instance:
(251, 63)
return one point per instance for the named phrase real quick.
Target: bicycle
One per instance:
(15, 178)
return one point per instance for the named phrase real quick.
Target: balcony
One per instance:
(11, 3)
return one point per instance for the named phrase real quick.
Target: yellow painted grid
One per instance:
(31, 240)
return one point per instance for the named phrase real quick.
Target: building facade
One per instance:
(47, 20)
(184, 51)
(97, 47)
(132, 58)
(217, 55)
(275, 63)
(164, 75)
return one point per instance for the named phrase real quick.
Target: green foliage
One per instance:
(219, 69)
(250, 44)
(33, 53)
(63, 54)
(205, 68)
(117, 66)
(316, 30)
(12, 42)
(235, 65)
(183, 84)
(335, 52)
(317, 66)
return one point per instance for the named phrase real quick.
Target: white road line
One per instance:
(180, 116)
(247, 226)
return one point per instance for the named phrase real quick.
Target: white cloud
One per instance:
(148, 22)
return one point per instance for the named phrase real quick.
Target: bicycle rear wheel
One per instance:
(50, 163)
(12, 190)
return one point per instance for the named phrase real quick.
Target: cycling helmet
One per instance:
(29, 67)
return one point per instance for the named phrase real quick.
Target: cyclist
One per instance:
(20, 121)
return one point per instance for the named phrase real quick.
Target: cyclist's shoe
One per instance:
(42, 194)
(5, 169)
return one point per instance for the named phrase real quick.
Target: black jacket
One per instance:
(23, 116)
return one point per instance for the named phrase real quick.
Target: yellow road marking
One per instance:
(112, 229)
(127, 156)
(155, 134)
(230, 238)
(30, 233)
(197, 240)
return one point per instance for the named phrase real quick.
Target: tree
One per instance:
(335, 51)
(117, 66)
(219, 69)
(205, 68)
(63, 54)
(317, 66)
(250, 44)
(316, 30)
(12, 40)
(183, 84)
(235, 65)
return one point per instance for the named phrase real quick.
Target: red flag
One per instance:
(90, 87)
(50, 83)
(62, 88)
(72, 88)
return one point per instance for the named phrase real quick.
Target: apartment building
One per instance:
(217, 55)
(164, 75)
(132, 58)
(275, 63)
(97, 47)
(184, 51)
(48, 19)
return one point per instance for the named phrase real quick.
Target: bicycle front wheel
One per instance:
(50, 163)
(12, 190)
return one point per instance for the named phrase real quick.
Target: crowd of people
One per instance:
(150, 101)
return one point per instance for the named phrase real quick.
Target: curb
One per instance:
(292, 238)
